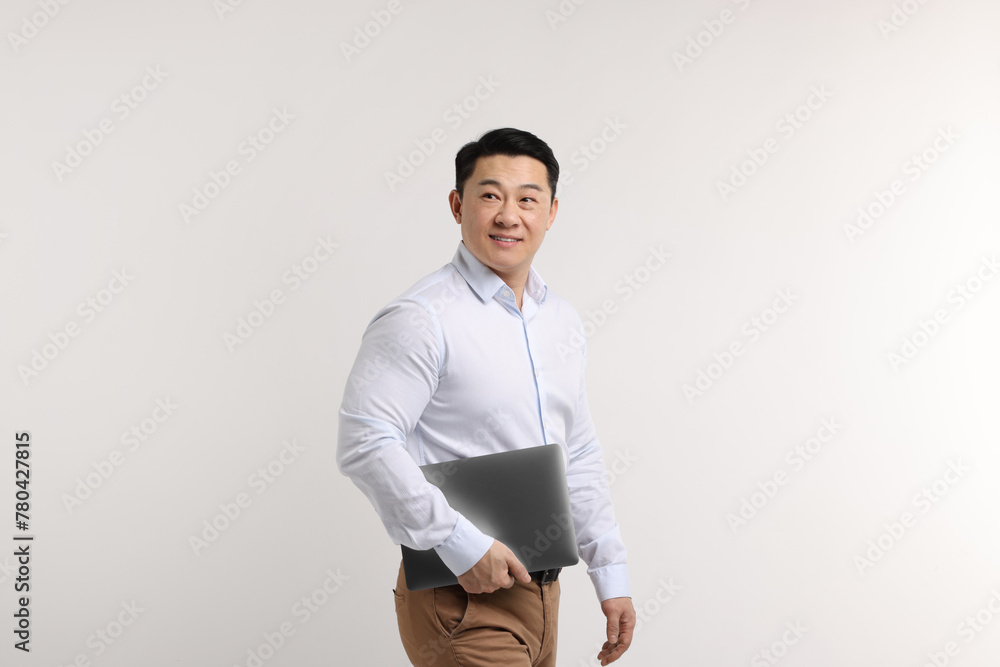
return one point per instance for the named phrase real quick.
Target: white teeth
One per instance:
(502, 238)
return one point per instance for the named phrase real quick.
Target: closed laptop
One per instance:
(518, 497)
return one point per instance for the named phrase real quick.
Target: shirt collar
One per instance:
(486, 284)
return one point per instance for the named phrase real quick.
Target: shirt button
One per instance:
(537, 372)
(506, 293)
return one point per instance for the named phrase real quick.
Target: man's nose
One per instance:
(508, 214)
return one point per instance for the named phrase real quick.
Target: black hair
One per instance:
(505, 141)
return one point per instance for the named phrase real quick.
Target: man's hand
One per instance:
(621, 624)
(494, 571)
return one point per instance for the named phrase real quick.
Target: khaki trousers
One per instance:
(447, 627)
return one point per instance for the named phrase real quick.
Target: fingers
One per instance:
(625, 628)
(625, 632)
(619, 632)
(513, 566)
(498, 568)
(610, 653)
(498, 581)
(517, 570)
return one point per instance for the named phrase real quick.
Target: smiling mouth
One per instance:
(503, 239)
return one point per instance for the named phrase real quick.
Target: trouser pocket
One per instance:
(452, 608)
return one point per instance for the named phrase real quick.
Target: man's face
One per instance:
(505, 210)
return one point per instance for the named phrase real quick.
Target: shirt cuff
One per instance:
(465, 547)
(611, 581)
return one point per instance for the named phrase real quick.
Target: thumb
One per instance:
(517, 569)
(613, 629)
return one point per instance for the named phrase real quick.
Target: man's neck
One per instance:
(516, 285)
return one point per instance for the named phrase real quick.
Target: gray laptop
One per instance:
(518, 497)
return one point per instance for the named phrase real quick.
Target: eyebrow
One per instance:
(523, 186)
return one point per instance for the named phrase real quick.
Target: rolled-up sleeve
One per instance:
(393, 378)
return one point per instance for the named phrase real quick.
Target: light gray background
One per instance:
(682, 466)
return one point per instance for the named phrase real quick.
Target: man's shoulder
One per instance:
(427, 294)
(558, 307)
(438, 284)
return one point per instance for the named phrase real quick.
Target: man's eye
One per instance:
(490, 194)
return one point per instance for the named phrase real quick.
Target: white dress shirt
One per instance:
(451, 369)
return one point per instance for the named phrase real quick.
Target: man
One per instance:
(476, 359)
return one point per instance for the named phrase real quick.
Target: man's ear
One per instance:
(552, 212)
(455, 203)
